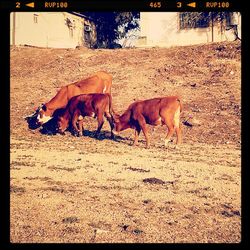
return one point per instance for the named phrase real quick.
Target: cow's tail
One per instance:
(111, 108)
(180, 102)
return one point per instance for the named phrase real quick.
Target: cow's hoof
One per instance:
(97, 136)
(115, 139)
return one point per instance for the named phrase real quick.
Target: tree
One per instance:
(111, 26)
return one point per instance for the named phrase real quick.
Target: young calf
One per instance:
(93, 105)
(156, 111)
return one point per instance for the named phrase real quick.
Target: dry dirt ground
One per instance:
(71, 189)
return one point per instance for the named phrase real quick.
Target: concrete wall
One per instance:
(50, 30)
(162, 29)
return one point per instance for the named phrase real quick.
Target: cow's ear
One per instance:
(44, 108)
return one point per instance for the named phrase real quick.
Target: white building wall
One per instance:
(162, 29)
(49, 31)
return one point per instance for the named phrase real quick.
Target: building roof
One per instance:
(81, 15)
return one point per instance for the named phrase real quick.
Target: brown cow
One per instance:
(99, 83)
(156, 111)
(93, 105)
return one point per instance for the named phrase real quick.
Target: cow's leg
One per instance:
(80, 125)
(178, 134)
(100, 123)
(74, 123)
(143, 126)
(177, 125)
(171, 128)
(137, 133)
(111, 123)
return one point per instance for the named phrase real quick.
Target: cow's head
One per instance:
(62, 124)
(43, 115)
(122, 122)
(32, 119)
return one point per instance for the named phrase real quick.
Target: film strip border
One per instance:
(123, 5)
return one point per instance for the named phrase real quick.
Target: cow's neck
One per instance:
(60, 100)
(124, 126)
(49, 111)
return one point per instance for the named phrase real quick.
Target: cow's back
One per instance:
(152, 109)
(146, 107)
(88, 103)
(170, 102)
(98, 83)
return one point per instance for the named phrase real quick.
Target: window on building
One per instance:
(188, 20)
(35, 18)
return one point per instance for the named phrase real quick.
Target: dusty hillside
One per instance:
(69, 189)
(207, 77)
